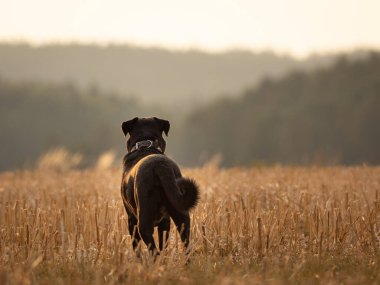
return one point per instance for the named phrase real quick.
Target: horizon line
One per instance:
(190, 48)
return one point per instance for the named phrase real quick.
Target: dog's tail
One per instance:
(182, 193)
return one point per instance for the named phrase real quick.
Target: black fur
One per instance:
(190, 193)
(152, 188)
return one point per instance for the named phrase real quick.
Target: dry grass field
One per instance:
(275, 225)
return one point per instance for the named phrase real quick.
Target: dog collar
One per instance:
(146, 144)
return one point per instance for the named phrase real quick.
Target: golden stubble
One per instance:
(274, 225)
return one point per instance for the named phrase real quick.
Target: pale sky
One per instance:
(299, 27)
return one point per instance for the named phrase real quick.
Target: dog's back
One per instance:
(157, 172)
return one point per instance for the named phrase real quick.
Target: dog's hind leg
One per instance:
(146, 228)
(133, 231)
(182, 222)
(163, 233)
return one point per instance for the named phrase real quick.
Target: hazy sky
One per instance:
(293, 26)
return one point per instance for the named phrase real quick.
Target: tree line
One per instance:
(325, 116)
(328, 116)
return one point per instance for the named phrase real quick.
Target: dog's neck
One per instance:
(131, 158)
(146, 144)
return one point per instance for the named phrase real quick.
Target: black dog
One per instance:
(152, 186)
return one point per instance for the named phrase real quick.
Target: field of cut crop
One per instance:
(264, 225)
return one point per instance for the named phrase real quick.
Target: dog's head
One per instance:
(140, 129)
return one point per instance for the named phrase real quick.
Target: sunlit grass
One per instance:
(271, 225)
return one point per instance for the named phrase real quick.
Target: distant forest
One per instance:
(36, 117)
(174, 78)
(328, 115)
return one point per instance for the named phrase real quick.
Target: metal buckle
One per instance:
(150, 144)
(143, 144)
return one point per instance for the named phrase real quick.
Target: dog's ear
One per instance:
(164, 125)
(127, 126)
